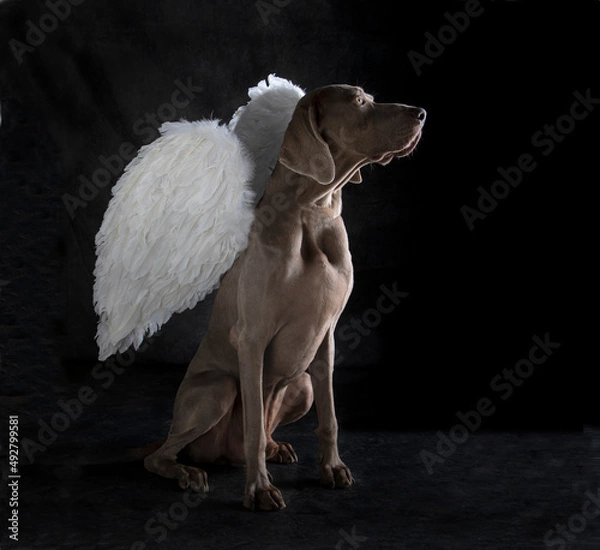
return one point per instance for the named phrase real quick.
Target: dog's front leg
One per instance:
(334, 473)
(260, 493)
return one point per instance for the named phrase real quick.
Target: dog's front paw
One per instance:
(267, 497)
(335, 475)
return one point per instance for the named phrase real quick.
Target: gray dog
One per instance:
(269, 349)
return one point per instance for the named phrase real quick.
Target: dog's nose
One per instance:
(419, 114)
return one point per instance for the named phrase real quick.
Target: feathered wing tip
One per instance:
(179, 216)
(272, 84)
(262, 122)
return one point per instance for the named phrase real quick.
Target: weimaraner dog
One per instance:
(269, 348)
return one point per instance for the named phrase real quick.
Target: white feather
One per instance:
(261, 124)
(165, 242)
(181, 213)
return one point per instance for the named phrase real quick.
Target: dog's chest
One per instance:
(322, 247)
(325, 245)
(322, 270)
(312, 292)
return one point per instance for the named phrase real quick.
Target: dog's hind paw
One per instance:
(194, 478)
(281, 453)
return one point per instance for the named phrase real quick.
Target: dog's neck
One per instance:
(296, 209)
(304, 192)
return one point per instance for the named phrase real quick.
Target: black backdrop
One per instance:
(74, 96)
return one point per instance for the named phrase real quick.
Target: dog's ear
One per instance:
(304, 150)
(356, 177)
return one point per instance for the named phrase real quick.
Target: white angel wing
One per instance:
(261, 124)
(181, 213)
(179, 216)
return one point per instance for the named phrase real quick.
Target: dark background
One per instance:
(476, 298)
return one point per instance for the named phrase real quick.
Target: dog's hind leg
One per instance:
(288, 405)
(202, 400)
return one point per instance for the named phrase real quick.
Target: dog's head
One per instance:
(335, 130)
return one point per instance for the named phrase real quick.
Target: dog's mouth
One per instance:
(387, 157)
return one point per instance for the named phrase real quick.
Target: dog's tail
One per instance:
(89, 455)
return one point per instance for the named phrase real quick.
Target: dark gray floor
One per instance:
(496, 491)
(500, 490)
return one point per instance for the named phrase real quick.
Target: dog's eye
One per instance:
(359, 100)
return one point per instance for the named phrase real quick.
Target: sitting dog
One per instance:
(269, 349)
